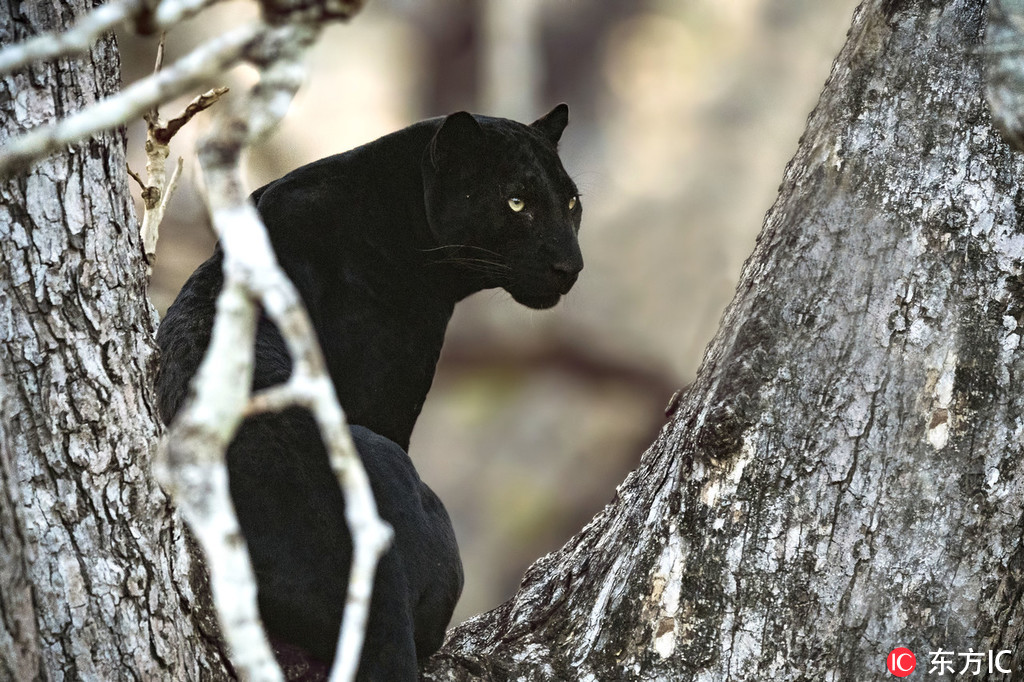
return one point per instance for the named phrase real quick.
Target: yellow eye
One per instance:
(572, 203)
(516, 204)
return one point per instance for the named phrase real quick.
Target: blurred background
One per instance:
(683, 114)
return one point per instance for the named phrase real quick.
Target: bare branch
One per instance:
(152, 117)
(78, 38)
(172, 184)
(220, 390)
(157, 191)
(275, 398)
(207, 423)
(160, 53)
(370, 536)
(164, 133)
(191, 467)
(190, 71)
(82, 35)
(136, 177)
(156, 201)
(311, 387)
(170, 12)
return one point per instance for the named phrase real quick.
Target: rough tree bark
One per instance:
(97, 577)
(846, 475)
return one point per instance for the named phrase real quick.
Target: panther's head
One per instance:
(501, 206)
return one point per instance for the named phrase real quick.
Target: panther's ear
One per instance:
(551, 124)
(459, 132)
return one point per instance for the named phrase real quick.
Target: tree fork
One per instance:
(845, 475)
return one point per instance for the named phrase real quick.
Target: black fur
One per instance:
(381, 241)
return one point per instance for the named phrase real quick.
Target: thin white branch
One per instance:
(276, 398)
(172, 184)
(311, 387)
(187, 73)
(170, 12)
(78, 38)
(211, 419)
(192, 469)
(153, 216)
(156, 174)
(84, 33)
(157, 190)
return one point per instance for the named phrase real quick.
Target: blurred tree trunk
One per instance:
(97, 578)
(846, 474)
(510, 59)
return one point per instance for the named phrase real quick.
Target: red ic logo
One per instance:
(901, 662)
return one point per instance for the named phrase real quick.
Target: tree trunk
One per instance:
(845, 476)
(98, 580)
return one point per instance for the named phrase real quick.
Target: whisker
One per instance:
(485, 269)
(461, 246)
(495, 270)
(474, 261)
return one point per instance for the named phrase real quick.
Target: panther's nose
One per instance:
(567, 271)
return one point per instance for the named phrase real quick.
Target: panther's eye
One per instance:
(516, 204)
(572, 203)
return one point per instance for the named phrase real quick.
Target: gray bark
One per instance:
(845, 476)
(98, 580)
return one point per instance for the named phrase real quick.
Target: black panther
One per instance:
(381, 241)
